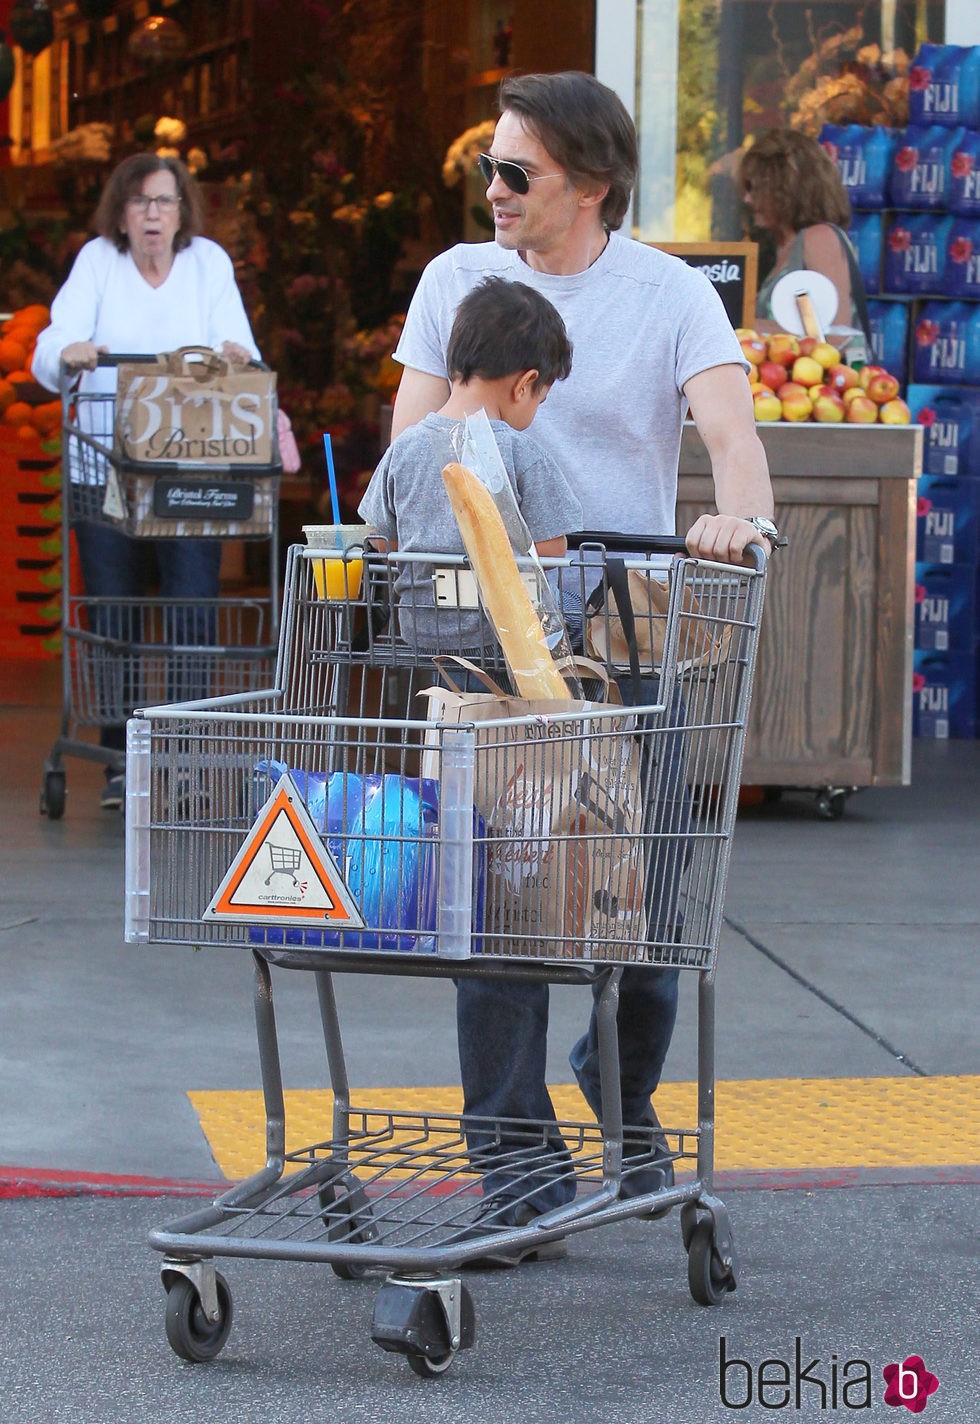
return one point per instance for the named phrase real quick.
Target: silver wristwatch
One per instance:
(766, 527)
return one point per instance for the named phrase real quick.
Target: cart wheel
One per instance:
(830, 804)
(707, 1278)
(343, 1270)
(53, 795)
(189, 1332)
(426, 1367)
(347, 1272)
(427, 1321)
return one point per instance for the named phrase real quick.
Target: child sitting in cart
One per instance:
(507, 347)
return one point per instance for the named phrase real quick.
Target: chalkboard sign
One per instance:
(732, 268)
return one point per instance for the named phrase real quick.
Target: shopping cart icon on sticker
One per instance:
(285, 861)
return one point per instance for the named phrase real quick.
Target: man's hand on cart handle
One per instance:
(82, 355)
(724, 538)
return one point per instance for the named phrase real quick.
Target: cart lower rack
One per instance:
(330, 827)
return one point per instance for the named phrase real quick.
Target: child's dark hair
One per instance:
(503, 327)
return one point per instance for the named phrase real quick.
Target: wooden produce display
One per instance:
(832, 709)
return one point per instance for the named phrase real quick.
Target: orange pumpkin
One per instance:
(17, 413)
(13, 355)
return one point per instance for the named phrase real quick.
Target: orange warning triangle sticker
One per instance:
(283, 873)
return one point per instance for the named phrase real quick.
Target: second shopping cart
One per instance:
(123, 651)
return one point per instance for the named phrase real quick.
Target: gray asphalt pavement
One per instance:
(848, 953)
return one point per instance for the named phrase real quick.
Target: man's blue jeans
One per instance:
(116, 568)
(502, 1024)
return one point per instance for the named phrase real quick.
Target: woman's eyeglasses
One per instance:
(518, 179)
(166, 203)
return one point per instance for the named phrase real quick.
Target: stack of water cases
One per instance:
(916, 227)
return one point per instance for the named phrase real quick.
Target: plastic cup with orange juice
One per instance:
(340, 574)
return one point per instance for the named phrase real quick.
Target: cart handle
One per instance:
(119, 358)
(649, 544)
(629, 543)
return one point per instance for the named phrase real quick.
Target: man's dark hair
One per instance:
(126, 181)
(504, 327)
(585, 128)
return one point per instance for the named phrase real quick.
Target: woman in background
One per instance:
(149, 282)
(792, 189)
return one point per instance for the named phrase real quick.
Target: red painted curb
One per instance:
(48, 1182)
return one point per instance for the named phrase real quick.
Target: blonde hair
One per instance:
(793, 180)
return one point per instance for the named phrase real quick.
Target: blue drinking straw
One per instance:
(332, 477)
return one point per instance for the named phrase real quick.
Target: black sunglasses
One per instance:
(518, 179)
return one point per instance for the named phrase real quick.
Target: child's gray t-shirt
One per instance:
(407, 501)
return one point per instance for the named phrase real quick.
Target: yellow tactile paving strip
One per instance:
(761, 1124)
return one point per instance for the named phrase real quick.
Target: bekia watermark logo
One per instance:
(817, 1383)
(909, 1383)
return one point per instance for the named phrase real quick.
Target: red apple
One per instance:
(826, 354)
(828, 408)
(861, 411)
(767, 405)
(753, 349)
(807, 372)
(772, 374)
(808, 345)
(894, 412)
(783, 347)
(841, 377)
(797, 405)
(853, 393)
(883, 387)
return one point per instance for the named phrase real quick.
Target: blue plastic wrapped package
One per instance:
(964, 176)
(922, 166)
(947, 344)
(390, 865)
(382, 830)
(333, 799)
(963, 259)
(865, 233)
(889, 335)
(916, 250)
(944, 85)
(863, 157)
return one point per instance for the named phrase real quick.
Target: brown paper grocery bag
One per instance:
(190, 407)
(561, 799)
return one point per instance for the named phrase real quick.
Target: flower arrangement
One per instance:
(462, 153)
(845, 81)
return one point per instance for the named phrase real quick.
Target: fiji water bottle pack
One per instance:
(916, 248)
(950, 418)
(864, 160)
(932, 254)
(947, 519)
(921, 172)
(866, 234)
(944, 86)
(946, 344)
(944, 694)
(964, 177)
(889, 335)
(945, 608)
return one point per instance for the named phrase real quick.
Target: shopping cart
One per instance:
(408, 829)
(119, 652)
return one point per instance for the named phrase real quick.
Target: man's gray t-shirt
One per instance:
(407, 501)
(642, 323)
